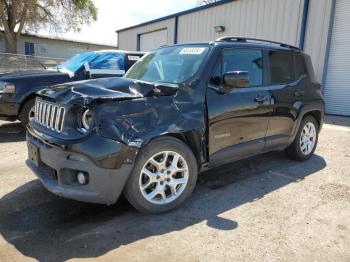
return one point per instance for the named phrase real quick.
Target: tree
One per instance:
(205, 2)
(53, 15)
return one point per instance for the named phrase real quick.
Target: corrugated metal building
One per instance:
(43, 46)
(320, 27)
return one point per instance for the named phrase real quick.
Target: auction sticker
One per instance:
(192, 51)
(133, 58)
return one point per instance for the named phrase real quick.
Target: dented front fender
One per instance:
(136, 122)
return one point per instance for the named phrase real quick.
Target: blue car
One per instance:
(18, 88)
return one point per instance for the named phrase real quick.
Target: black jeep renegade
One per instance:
(178, 111)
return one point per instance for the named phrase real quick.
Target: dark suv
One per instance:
(178, 111)
(18, 88)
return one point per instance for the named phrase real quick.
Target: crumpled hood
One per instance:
(88, 91)
(128, 111)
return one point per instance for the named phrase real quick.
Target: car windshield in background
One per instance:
(175, 64)
(77, 61)
(95, 60)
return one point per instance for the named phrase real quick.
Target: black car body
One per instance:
(17, 89)
(223, 101)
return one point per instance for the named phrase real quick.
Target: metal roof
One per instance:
(65, 39)
(189, 11)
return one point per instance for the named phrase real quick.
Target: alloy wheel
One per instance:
(308, 138)
(164, 177)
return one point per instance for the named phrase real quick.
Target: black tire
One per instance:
(26, 111)
(294, 151)
(133, 191)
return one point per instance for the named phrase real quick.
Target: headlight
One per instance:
(7, 88)
(87, 120)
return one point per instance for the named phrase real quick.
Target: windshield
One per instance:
(77, 61)
(169, 65)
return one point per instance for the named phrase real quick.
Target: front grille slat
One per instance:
(49, 115)
(36, 110)
(62, 119)
(43, 114)
(58, 117)
(38, 116)
(52, 119)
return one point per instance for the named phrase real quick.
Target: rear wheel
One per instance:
(27, 112)
(306, 140)
(164, 175)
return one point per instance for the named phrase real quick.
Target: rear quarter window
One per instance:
(281, 67)
(309, 67)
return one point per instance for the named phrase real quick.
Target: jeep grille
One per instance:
(49, 115)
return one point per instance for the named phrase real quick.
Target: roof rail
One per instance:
(246, 39)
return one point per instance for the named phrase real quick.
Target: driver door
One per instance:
(237, 117)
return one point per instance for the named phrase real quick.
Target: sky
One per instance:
(117, 14)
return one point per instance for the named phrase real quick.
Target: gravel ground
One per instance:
(267, 208)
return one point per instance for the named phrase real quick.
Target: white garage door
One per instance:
(152, 40)
(337, 87)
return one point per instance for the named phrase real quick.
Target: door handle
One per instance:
(263, 99)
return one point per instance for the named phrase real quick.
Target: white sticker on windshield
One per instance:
(192, 51)
(133, 58)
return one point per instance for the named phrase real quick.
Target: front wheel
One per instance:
(164, 175)
(305, 141)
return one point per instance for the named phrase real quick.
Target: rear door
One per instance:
(237, 119)
(287, 83)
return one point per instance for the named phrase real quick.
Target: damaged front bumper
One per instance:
(58, 166)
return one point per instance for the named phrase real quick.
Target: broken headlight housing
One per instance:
(87, 120)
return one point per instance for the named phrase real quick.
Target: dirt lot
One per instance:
(267, 208)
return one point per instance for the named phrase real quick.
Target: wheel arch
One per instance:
(317, 114)
(24, 101)
(190, 138)
(315, 109)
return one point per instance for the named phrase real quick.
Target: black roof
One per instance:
(244, 42)
(240, 39)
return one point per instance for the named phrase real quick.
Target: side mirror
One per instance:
(238, 79)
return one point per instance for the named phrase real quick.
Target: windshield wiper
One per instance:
(166, 88)
(158, 88)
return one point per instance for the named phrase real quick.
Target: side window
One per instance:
(281, 67)
(248, 60)
(299, 65)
